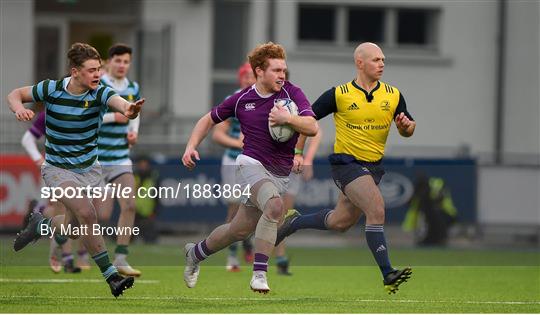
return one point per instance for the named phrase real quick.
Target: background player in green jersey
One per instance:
(116, 136)
(228, 134)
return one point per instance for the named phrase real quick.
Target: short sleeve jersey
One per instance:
(252, 110)
(362, 119)
(71, 123)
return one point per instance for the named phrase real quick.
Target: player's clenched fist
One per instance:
(24, 114)
(187, 158)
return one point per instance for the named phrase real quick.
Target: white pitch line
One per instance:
(179, 298)
(13, 280)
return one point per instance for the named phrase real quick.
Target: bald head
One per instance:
(365, 50)
(369, 61)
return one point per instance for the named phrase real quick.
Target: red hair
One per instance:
(260, 55)
(242, 70)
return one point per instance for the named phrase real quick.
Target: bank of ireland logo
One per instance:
(396, 189)
(385, 105)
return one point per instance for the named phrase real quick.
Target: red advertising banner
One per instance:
(20, 182)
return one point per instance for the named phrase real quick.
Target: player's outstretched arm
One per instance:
(15, 100)
(115, 117)
(200, 131)
(130, 110)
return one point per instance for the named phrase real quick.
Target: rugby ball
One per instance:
(283, 133)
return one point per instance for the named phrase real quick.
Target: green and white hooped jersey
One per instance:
(71, 123)
(112, 143)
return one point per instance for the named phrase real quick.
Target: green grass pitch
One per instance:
(325, 280)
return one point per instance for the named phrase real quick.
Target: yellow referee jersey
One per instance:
(362, 119)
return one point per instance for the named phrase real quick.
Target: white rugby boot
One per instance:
(258, 282)
(191, 270)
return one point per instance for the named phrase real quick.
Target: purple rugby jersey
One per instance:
(38, 126)
(252, 111)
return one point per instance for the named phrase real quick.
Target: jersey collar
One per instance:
(119, 85)
(65, 83)
(369, 96)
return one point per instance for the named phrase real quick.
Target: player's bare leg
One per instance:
(125, 222)
(83, 257)
(247, 220)
(81, 215)
(105, 210)
(364, 194)
(55, 249)
(64, 242)
(280, 252)
(233, 265)
(84, 213)
(241, 226)
(266, 196)
(344, 215)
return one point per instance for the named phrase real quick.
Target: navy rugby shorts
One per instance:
(345, 169)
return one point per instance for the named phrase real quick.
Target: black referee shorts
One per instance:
(345, 169)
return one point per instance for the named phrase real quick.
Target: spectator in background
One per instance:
(146, 208)
(432, 203)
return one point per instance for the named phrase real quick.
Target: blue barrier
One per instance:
(397, 186)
